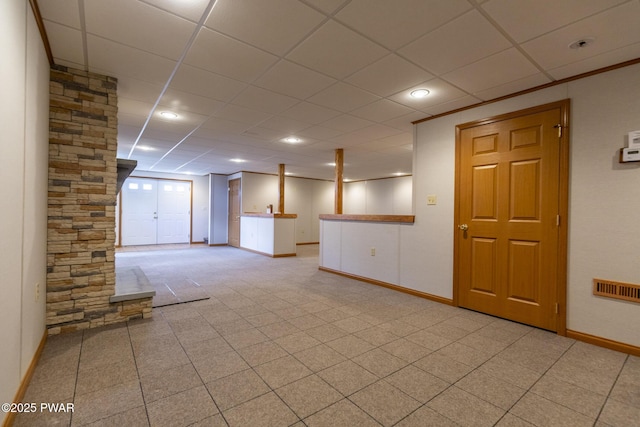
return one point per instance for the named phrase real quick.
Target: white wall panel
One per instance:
(331, 245)
(24, 120)
(12, 123)
(34, 249)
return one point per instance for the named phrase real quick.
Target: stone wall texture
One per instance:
(82, 200)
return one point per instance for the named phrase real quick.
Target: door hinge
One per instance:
(559, 127)
(558, 220)
(557, 309)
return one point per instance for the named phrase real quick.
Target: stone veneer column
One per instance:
(82, 199)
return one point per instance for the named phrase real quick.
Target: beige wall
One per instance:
(24, 112)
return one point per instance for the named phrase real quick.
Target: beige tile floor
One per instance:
(280, 343)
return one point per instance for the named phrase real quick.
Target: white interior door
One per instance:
(174, 212)
(155, 211)
(139, 212)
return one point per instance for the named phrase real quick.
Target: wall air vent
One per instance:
(617, 290)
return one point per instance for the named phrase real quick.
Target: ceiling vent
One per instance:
(617, 290)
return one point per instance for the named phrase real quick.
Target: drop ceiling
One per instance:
(242, 75)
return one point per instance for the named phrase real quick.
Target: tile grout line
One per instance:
(135, 362)
(196, 371)
(626, 359)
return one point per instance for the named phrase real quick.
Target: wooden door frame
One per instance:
(563, 201)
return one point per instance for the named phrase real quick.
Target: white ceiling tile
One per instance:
(264, 100)
(240, 114)
(138, 25)
(612, 29)
(440, 57)
(326, 6)
(264, 133)
(139, 90)
(496, 70)
(319, 132)
(513, 87)
(382, 110)
(223, 55)
(114, 59)
(363, 135)
(347, 123)
(294, 80)
(405, 122)
(310, 113)
(343, 97)
(217, 127)
(439, 92)
(127, 133)
(337, 51)
(389, 75)
(191, 10)
(177, 101)
(462, 102)
(284, 124)
(66, 42)
(173, 128)
(274, 25)
(64, 12)
(205, 83)
(125, 119)
(133, 107)
(524, 20)
(394, 25)
(617, 56)
(400, 139)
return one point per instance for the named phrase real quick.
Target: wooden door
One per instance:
(511, 196)
(234, 212)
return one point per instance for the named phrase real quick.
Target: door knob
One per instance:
(463, 227)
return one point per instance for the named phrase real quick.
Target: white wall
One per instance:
(308, 198)
(389, 196)
(24, 120)
(218, 209)
(200, 207)
(258, 191)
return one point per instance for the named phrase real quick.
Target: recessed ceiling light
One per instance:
(288, 173)
(331, 164)
(168, 115)
(419, 93)
(237, 160)
(399, 173)
(584, 42)
(292, 140)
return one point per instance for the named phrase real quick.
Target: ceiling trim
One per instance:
(533, 89)
(43, 31)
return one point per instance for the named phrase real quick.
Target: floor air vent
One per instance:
(617, 290)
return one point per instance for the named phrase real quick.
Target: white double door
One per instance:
(155, 211)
